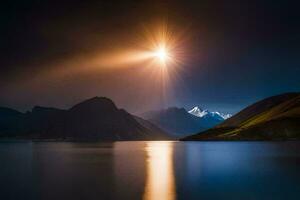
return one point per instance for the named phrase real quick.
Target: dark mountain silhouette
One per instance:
(179, 122)
(276, 117)
(10, 120)
(95, 118)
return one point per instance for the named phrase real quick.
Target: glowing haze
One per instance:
(153, 58)
(148, 54)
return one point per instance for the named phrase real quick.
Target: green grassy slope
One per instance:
(277, 117)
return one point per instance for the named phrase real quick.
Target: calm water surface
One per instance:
(150, 170)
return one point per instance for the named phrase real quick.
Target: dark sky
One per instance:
(235, 52)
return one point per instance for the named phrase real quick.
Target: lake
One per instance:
(150, 170)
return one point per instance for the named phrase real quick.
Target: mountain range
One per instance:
(276, 117)
(95, 118)
(180, 122)
(206, 113)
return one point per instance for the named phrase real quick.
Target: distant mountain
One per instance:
(179, 122)
(205, 113)
(277, 117)
(95, 118)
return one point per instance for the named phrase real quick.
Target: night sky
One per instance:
(233, 52)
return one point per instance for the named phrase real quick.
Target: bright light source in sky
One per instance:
(162, 54)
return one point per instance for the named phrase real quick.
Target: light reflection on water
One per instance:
(150, 170)
(160, 181)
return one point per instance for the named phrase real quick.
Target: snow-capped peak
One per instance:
(198, 112)
(224, 116)
(220, 115)
(202, 113)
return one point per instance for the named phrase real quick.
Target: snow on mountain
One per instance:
(205, 113)
(198, 112)
(224, 116)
